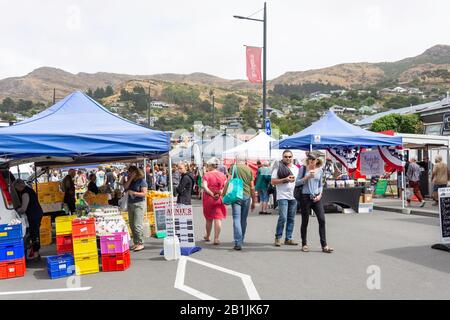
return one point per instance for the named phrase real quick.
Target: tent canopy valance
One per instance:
(331, 132)
(76, 128)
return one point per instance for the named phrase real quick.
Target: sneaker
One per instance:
(277, 242)
(238, 248)
(139, 247)
(290, 242)
(422, 204)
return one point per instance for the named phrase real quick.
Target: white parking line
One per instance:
(44, 291)
(181, 272)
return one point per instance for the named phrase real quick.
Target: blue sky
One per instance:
(184, 36)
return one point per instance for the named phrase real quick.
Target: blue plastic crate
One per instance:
(11, 250)
(10, 233)
(60, 266)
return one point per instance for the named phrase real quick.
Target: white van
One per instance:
(8, 201)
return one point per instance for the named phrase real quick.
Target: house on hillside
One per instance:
(271, 111)
(367, 110)
(159, 105)
(338, 92)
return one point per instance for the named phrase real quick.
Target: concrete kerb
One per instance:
(416, 212)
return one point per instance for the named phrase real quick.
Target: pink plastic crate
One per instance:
(115, 243)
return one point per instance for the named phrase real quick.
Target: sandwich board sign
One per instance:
(159, 209)
(444, 219)
(184, 224)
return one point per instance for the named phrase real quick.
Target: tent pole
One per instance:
(403, 180)
(310, 148)
(153, 174)
(172, 205)
(35, 180)
(145, 169)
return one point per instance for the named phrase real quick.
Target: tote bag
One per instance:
(235, 189)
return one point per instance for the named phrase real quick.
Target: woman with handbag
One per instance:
(213, 208)
(311, 199)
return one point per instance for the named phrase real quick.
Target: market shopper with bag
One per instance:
(311, 199)
(283, 177)
(413, 175)
(439, 177)
(213, 208)
(136, 188)
(240, 193)
(262, 186)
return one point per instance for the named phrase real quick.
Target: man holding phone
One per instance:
(284, 180)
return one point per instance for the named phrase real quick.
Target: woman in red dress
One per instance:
(213, 208)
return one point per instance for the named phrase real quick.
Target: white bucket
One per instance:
(172, 251)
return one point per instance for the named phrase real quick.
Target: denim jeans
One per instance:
(240, 213)
(286, 211)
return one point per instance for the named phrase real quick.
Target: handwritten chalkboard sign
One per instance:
(444, 214)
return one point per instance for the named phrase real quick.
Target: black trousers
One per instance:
(70, 201)
(307, 204)
(35, 224)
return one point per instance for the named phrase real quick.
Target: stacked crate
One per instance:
(12, 251)
(115, 250)
(45, 232)
(64, 234)
(60, 266)
(85, 246)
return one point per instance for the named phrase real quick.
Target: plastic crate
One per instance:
(11, 250)
(64, 244)
(64, 224)
(116, 262)
(12, 269)
(10, 233)
(46, 223)
(45, 237)
(84, 246)
(83, 228)
(60, 266)
(115, 243)
(86, 264)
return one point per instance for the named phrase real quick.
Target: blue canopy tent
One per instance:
(332, 131)
(79, 130)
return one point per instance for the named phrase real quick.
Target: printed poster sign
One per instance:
(372, 163)
(159, 209)
(444, 214)
(184, 224)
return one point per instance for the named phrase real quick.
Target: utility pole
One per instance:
(264, 21)
(54, 95)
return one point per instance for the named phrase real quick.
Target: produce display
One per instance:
(93, 199)
(108, 220)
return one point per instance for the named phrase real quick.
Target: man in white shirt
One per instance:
(284, 179)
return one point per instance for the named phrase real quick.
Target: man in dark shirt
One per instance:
(184, 189)
(69, 190)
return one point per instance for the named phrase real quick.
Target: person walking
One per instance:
(68, 186)
(311, 180)
(439, 177)
(283, 177)
(213, 208)
(242, 207)
(136, 187)
(413, 175)
(33, 210)
(176, 177)
(100, 177)
(185, 186)
(262, 186)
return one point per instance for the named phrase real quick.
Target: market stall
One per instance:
(344, 142)
(79, 131)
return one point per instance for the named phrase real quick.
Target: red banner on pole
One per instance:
(254, 64)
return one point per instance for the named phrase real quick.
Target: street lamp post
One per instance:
(211, 93)
(148, 106)
(264, 21)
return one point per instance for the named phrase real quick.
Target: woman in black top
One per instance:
(92, 186)
(31, 207)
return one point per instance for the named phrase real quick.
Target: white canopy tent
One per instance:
(218, 145)
(258, 148)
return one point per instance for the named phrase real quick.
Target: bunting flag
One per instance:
(392, 158)
(348, 157)
(254, 64)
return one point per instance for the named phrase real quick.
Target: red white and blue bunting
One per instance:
(348, 157)
(392, 158)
